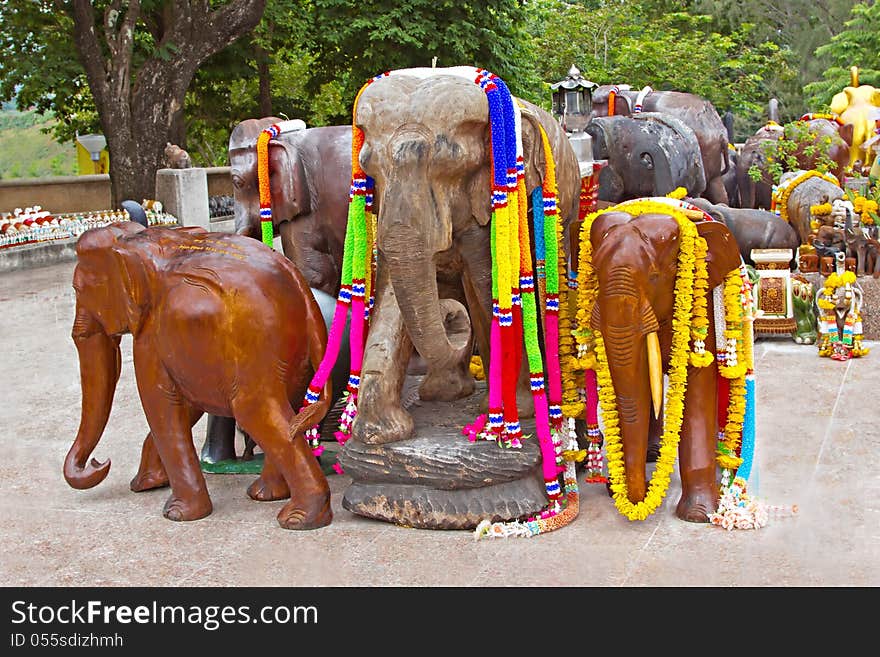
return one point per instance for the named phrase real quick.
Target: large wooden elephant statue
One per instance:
(695, 112)
(220, 324)
(648, 154)
(426, 145)
(642, 314)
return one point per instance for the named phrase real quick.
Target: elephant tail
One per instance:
(317, 401)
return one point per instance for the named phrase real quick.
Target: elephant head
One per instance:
(636, 265)
(807, 193)
(112, 296)
(426, 145)
(601, 99)
(289, 192)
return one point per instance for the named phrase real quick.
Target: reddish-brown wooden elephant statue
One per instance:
(220, 324)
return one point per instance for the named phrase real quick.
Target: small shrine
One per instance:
(573, 101)
(772, 294)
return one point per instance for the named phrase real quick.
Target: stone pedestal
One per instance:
(184, 194)
(439, 479)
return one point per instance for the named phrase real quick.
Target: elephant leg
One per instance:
(381, 418)
(270, 485)
(270, 423)
(219, 440)
(169, 415)
(696, 451)
(716, 192)
(319, 269)
(151, 473)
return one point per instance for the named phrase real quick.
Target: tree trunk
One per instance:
(265, 80)
(141, 110)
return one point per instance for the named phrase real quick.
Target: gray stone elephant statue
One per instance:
(695, 112)
(648, 154)
(426, 145)
(309, 173)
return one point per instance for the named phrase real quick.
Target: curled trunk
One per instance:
(99, 359)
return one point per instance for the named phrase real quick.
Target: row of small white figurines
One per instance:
(44, 227)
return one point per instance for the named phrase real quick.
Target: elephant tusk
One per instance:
(655, 371)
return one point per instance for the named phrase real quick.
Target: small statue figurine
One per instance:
(176, 157)
(806, 331)
(840, 323)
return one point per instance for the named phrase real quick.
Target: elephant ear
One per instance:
(839, 102)
(287, 181)
(133, 283)
(478, 192)
(723, 251)
(533, 149)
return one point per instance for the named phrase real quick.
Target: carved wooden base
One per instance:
(439, 479)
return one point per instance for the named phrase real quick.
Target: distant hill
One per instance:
(26, 152)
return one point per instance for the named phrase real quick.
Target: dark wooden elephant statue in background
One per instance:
(220, 324)
(753, 229)
(828, 134)
(309, 176)
(695, 112)
(648, 154)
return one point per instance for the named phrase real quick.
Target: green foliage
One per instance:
(354, 40)
(28, 151)
(857, 45)
(788, 153)
(316, 54)
(648, 43)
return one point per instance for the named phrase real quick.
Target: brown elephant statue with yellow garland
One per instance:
(646, 268)
(220, 324)
(859, 105)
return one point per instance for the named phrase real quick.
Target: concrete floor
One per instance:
(818, 447)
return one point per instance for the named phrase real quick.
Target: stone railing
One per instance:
(68, 194)
(185, 194)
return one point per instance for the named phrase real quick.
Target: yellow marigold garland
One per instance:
(737, 363)
(572, 405)
(733, 366)
(677, 375)
(700, 323)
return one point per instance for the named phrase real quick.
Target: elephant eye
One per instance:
(237, 181)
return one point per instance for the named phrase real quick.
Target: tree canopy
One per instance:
(192, 75)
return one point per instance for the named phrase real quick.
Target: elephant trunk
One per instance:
(665, 180)
(418, 231)
(634, 363)
(420, 305)
(99, 360)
